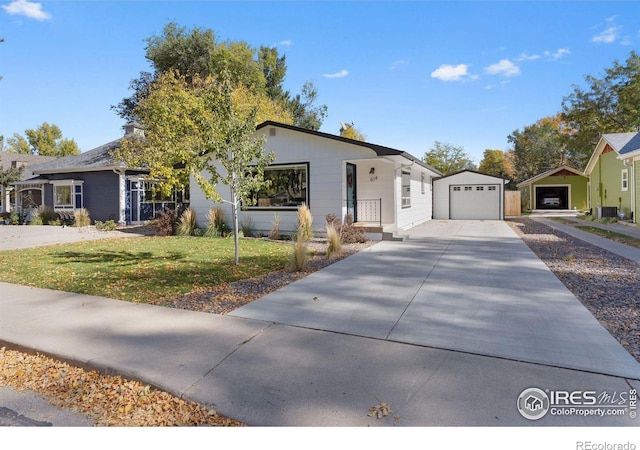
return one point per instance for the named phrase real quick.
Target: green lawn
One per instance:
(618, 237)
(139, 269)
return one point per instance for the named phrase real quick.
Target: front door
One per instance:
(351, 191)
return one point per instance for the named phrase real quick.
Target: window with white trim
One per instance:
(625, 179)
(406, 188)
(67, 194)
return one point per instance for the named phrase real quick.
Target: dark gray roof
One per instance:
(30, 161)
(378, 149)
(98, 158)
(623, 142)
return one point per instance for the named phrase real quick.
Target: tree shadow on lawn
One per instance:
(119, 257)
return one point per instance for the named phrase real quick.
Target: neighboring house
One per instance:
(561, 188)
(614, 175)
(10, 160)
(94, 180)
(469, 195)
(380, 187)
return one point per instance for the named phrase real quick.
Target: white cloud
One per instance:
(285, 43)
(610, 34)
(26, 8)
(343, 73)
(448, 72)
(525, 57)
(394, 65)
(504, 68)
(558, 53)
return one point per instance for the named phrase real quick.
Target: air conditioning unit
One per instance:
(606, 211)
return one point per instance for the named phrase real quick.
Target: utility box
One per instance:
(606, 211)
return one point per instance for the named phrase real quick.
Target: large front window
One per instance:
(67, 194)
(288, 187)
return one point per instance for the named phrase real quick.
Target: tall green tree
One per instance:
(495, 162)
(448, 158)
(197, 51)
(197, 123)
(539, 147)
(610, 104)
(46, 140)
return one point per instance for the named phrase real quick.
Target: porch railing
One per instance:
(369, 210)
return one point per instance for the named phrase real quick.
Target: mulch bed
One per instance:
(226, 297)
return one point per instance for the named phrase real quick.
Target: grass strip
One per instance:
(612, 235)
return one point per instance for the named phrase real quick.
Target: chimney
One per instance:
(133, 129)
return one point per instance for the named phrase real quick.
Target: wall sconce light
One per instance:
(372, 171)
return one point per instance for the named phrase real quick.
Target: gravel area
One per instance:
(608, 285)
(226, 297)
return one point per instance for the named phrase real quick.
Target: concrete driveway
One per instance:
(15, 237)
(470, 286)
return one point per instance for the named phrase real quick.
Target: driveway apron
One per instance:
(469, 286)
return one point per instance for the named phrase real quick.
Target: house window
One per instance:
(625, 179)
(67, 194)
(288, 187)
(406, 188)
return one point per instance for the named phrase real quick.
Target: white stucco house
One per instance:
(469, 195)
(384, 189)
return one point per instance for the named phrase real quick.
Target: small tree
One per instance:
(201, 127)
(448, 158)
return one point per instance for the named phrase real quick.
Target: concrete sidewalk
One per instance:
(448, 328)
(626, 251)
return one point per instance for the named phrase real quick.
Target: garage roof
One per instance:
(549, 173)
(505, 180)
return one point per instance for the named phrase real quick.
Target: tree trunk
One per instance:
(234, 212)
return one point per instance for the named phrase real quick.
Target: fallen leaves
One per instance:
(108, 400)
(380, 410)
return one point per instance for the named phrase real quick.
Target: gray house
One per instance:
(94, 180)
(10, 160)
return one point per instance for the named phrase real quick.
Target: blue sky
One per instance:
(406, 73)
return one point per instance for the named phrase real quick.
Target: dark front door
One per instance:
(351, 191)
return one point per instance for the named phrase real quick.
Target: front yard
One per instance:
(141, 269)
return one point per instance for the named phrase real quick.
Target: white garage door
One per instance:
(474, 201)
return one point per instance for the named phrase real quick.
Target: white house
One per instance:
(469, 195)
(382, 188)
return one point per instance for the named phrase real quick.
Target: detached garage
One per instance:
(560, 188)
(469, 195)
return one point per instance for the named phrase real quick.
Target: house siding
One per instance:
(100, 192)
(606, 189)
(421, 209)
(326, 181)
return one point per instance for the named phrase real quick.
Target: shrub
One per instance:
(187, 223)
(349, 234)
(109, 225)
(246, 226)
(334, 246)
(81, 218)
(299, 256)
(275, 227)
(36, 220)
(217, 226)
(305, 221)
(14, 217)
(166, 222)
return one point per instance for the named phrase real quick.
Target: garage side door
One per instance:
(479, 202)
